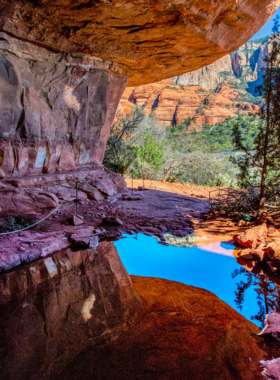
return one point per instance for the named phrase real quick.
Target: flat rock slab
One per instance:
(156, 213)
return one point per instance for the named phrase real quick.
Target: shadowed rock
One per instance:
(55, 307)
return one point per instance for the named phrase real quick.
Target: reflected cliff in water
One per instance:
(55, 307)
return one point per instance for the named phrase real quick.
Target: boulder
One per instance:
(252, 237)
(272, 326)
(271, 369)
(92, 192)
(273, 250)
(273, 232)
(183, 333)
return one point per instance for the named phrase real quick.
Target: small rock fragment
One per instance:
(77, 220)
(162, 243)
(112, 221)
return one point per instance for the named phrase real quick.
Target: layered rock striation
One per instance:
(153, 40)
(172, 104)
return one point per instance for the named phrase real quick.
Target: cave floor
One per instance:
(152, 211)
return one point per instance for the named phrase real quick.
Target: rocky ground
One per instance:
(150, 211)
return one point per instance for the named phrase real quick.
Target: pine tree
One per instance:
(260, 167)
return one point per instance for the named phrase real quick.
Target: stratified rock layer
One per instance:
(183, 333)
(55, 307)
(56, 110)
(153, 40)
(173, 104)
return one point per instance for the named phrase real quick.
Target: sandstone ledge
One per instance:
(152, 40)
(183, 333)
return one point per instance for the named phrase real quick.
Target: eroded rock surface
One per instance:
(55, 307)
(152, 40)
(56, 110)
(35, 194)
(183, 333)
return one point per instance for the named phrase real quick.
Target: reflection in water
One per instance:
(266, 292)
(55, 307)
(208, 266)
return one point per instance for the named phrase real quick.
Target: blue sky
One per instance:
(266, 29)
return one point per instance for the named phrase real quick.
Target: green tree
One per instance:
(152, 151)
(260, 166)
(119, 153)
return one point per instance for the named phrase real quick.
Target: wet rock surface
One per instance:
(183, 333)
(152, 40)
(57, 306)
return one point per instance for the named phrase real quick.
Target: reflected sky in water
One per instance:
(209, 267)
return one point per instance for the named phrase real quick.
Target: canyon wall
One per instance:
(56, 110)
(173, 104)
(208, 95)
(55, 307)
(242, 69)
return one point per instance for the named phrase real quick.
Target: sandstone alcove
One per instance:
(63, 68)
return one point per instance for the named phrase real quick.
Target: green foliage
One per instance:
(259, 164)
(151, 152)
(246, 217)
(218, 138)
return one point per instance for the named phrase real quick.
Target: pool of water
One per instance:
(209, 267)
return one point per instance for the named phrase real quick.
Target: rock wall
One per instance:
(153, 40)
(173, 104)
(209, 77)
(55, 307)
(56, 110)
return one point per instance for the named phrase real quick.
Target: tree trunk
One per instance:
(265, 148)
(166, 175)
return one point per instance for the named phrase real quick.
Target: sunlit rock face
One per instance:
(56, 110)
(153, 40)
(55, 307)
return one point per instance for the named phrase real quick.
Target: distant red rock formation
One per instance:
(173, 104)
